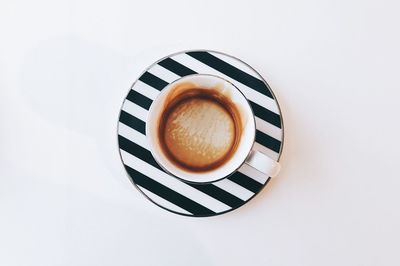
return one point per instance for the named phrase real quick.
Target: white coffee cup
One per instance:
(244, 152)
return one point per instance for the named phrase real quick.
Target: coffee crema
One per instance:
(199, 129)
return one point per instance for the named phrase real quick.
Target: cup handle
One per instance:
(263, 163)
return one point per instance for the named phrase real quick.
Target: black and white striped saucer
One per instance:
(175, 195)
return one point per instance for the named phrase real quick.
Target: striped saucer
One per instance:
(175, 195)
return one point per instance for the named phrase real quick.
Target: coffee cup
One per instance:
(201, 129)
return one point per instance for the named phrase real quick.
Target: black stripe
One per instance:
(246, 182)
(219, 194)
(139, 99)
(168, 194)
(266, 114)
(176, 67)
(259, 111)
(137, 151)
(209, 189)
(232, 72)
(268, 141)
(132, 122)
(153, 81)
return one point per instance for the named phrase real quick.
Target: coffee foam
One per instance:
(199, 128)
(199, 132)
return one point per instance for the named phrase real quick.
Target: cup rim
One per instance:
(247, 153)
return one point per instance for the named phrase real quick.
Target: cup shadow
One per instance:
(78, 86)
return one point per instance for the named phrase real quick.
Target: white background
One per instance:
(65, 67)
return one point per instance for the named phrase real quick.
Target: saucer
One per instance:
(176, 195)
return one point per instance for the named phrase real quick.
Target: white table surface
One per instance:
(65, 67)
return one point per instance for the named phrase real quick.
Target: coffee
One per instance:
(199, 129)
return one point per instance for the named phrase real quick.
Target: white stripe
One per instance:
(146, 90)
(163, 73)
(237, 63)
(165, 203)
(234, 189)
(135, 110)
(250, 93)
(253, 173)
(173, 183)
(269, 129)
(132, 135)
(274, 155)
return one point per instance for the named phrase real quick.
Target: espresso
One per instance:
(199, 129)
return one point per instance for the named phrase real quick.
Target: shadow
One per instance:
(70, 82)
(78, 86)
(286, 153)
